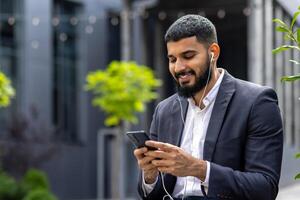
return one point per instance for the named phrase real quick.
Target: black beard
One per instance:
(190, 91)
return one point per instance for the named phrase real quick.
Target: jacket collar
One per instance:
(226, 91)
(178, 114)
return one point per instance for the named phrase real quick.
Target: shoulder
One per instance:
(168, 103)
(249, 90)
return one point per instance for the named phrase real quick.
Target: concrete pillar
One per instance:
(126, 31)
(268, 32)
(255, 42)
(35, 66)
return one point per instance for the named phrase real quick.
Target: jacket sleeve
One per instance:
(157, 192)
(262, 156)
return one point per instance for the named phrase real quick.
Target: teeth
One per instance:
(185, 75)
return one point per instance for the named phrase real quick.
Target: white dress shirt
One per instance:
(192, 142)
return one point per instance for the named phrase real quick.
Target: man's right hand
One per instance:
(145, 164)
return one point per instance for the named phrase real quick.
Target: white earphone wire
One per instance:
(163, 183)
(209, 72)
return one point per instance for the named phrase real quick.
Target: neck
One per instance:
(199, 96)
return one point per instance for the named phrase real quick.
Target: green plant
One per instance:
(291, 33)
(6, 91)
(8, 187)
(122, 90)
(34, 180)
(33, 186)
(39, 194)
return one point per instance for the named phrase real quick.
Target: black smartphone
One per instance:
(138, 138)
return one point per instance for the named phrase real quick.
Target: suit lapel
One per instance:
(226, 91)
(176, 124)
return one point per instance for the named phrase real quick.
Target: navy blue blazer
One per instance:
(244, 141)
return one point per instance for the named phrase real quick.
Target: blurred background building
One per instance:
(47, 47)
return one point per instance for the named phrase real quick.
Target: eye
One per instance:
(172, 60)
(188, 55)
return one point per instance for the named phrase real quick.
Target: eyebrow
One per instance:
(182, 53)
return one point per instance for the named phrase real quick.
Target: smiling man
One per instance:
(218, 137)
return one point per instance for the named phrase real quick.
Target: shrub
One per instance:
(121, 90)
(33, 186)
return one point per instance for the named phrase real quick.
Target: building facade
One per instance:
(48, 47)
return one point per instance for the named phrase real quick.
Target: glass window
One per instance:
(65, 87)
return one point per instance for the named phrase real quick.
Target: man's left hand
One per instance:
(174, 160)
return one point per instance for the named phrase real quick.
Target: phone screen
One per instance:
(138, 138)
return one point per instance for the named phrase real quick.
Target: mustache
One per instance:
(182, 73)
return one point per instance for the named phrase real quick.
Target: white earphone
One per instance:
(212, 57)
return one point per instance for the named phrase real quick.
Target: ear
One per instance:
(215, 51)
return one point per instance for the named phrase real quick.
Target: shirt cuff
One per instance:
(206, 181)
(147, 188)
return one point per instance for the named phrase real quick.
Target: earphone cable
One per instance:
(209, 72)
(165, 189)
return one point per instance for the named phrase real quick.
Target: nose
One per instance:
(179, 66)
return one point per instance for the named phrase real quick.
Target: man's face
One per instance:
(189, 65)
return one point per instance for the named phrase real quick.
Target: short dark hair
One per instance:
(192, 25)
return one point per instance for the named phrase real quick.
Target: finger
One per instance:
(161, 154)
(160, 145)
(139, 153)
(167, 170)
(163, 163)
(145, 161)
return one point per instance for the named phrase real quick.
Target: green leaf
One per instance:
(279, 49)
(284, 48)
(111, 121)
(7, 92)
(298, 35)
(297, 176)
(294, 19)
(280, 22)
(288, 37)
(297, 156)
(282, 29)
(290, 78)
(295, 62)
